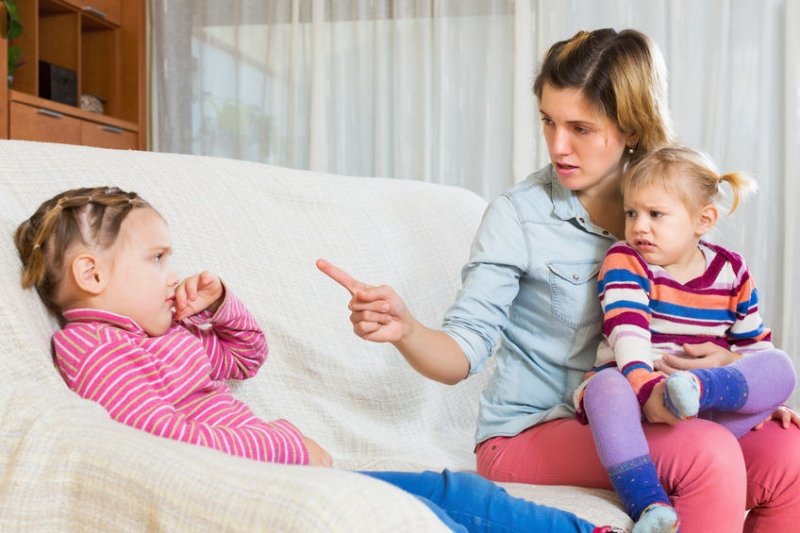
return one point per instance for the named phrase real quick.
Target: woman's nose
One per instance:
(559, 142)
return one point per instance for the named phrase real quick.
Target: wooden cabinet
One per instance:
(110, 10)
(101, 43)
(34, 123)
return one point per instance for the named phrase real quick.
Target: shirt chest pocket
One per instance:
(573, 286)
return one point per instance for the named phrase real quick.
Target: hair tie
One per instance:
(37, 246)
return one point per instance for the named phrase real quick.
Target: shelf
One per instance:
(100, 43)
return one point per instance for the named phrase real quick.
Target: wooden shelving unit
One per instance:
(103, 42)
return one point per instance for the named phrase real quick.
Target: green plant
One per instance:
(14, 31)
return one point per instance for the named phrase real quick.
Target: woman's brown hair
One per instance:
(621, 74)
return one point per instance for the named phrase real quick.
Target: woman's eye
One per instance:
(547, 121)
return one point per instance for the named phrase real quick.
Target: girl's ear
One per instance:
(707, 220)
(88, 275)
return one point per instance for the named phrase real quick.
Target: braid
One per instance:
(88, 216)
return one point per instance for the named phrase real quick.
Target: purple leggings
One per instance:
(615, 416)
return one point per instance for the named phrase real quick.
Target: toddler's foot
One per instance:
(682, 395)
(657, 518)
(608, 529)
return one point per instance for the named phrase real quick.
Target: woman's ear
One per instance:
(707, 220)
(632, 141)
(88, 274)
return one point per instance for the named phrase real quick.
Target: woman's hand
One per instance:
(705, 355)
(783, 414)
(317, 456)
(654, 409)
(378, 314)
(198, 293)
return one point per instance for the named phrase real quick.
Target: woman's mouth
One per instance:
(564, 168)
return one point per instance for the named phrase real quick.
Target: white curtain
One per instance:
(439, 90)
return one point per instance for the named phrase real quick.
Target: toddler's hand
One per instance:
(655, 410)
(317, 456)
(782, 414)
(198, 293)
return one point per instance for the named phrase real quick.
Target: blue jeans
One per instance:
(467, 502)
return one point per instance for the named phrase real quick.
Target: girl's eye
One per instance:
(656, 214)
(630, 214)
(158, 258)
(547, 121)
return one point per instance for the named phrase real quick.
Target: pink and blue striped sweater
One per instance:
(173, 385)
(647, 313)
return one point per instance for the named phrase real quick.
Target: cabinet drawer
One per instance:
(93, 134)
(28, 123)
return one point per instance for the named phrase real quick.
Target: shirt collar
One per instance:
(566, 205)
(86, 315)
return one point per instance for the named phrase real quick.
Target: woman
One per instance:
(530, 288)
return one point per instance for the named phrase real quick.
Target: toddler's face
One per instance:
(142, 283)
(660, 227)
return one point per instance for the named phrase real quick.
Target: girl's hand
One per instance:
(378, 314)
(705, 355)
(198, 293)
(784, 414)
(654, 409)
(316, 455)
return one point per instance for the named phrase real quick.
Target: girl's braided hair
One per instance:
(88, 216)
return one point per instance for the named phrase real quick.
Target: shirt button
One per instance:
(580, 220)
(575, 276)
(605, 233)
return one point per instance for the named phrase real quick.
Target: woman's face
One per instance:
(586, 148)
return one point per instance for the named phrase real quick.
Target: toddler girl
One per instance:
(662, 289)
(155, 351)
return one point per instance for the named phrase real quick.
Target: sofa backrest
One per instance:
(261, 228)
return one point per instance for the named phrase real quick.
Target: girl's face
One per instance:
(586, 148)
(142, 283)
(659, 226)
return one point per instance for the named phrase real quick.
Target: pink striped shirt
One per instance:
(173, 385)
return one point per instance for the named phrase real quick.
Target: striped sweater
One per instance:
(172, 386)
(647, 313)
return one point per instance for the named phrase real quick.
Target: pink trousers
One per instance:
(710, 476)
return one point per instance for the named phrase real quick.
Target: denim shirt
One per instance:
(530, 291)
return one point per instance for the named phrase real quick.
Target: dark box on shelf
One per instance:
(58, 84)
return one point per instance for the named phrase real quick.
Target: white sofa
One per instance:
(65, 466)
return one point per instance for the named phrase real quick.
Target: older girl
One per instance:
(156, 352)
